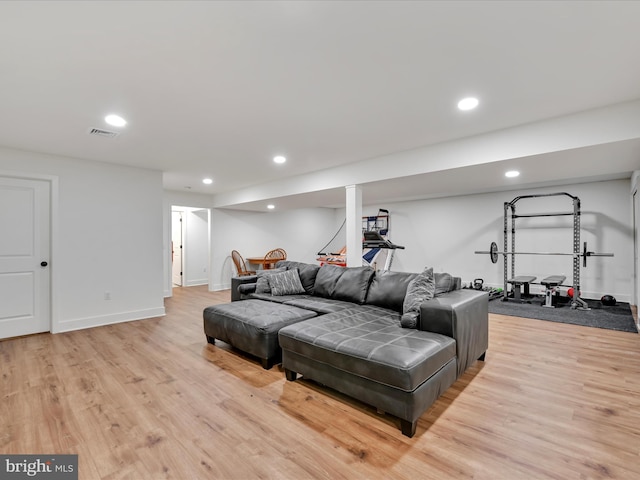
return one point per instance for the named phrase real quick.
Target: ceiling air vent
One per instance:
(102, 133)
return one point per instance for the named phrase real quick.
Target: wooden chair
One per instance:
(272, 257)
(238, 261)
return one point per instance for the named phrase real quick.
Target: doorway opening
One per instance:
(190, 246)
(176, 248)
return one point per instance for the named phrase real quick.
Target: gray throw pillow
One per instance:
(419, 290)
(444, 283)
(409, 320)
(262, 284)
(286, 283)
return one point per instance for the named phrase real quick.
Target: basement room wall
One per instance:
(445, 232)
(109, 239)
(300, 232)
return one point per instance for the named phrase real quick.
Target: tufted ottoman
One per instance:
(252, 326)
(364, 353)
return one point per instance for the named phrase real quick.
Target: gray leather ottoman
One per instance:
(361, 352)
(252, 326)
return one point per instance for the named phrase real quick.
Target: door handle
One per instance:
(43, 264)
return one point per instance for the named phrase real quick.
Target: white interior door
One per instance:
(176, 242)
(25, 299)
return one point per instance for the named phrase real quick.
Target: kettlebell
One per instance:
(477, 283)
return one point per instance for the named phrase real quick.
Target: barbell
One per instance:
(493, 253)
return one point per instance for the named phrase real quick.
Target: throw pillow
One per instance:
(286, 283)
(409, 320)
(262, 284)
(444, 283)
(420, 289)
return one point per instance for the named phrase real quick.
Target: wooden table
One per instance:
(264, 264)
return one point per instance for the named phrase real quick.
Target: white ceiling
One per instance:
(218, 88)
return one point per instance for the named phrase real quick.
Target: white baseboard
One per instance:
(221, 286)
(101, 320)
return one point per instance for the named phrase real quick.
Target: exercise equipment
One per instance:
(551, 285)
(321, 252)
(523, 281)
(570, 292)
(375, 231)
(608, 300)
(376, 242)
(493, 253)
(510, 214)
(477, 283)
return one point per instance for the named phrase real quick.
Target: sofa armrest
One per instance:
(245, 281)
(462, 315)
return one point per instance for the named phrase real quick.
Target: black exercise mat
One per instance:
(617, 317)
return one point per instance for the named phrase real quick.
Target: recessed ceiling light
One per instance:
(279, 159)
(271, 206)
(207, 181)
(115, 120)
(468, 103)
(512, 173)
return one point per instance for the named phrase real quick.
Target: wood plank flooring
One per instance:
(151, 400)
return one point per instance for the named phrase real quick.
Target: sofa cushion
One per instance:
(327, 279)
(353, 284)
(268, 297)
(286, 283)
(388, 289)
(306, 271)
(419, 290)
(262, 283)
(368, 341)
(317, 304)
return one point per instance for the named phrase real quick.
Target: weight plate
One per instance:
(493, 251)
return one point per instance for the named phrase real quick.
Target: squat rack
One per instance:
(510, 211)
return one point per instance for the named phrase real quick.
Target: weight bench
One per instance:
(550, 284)
(521, 281)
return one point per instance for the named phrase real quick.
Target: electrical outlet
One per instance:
(107, 295)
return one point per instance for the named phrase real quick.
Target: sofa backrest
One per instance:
(362, 284)
(388, 289)
(349, 284)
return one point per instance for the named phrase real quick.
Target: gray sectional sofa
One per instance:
(345, 328)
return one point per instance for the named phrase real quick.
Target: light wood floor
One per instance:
(151, 400)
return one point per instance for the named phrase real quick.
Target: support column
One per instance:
(354, 225)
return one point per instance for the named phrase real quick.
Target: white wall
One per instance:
(300, 232)
(444, 233)
(108, 239)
